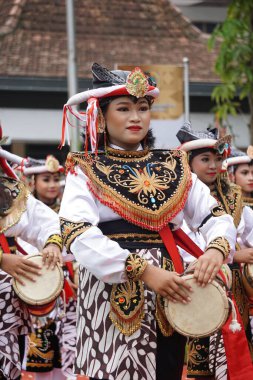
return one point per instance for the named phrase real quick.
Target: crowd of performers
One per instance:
(129, 223)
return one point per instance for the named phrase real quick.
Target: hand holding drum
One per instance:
(52, 256)
(208, 309)
(173, 287)
(42, 294)
(18, 267)
(168, 284)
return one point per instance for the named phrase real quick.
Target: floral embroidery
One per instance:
(146, 188)
(70, 230)
(231, 202)
(19, 194)
(135, 266)
(127, 306)
(221, 244)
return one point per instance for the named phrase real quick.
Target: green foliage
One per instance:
(234, 64)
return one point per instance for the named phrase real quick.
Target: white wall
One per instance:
(36, 125)
(31, 124)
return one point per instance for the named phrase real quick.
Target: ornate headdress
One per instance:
(193, 140)
(51, 165)
(237, 157)
(106, 84)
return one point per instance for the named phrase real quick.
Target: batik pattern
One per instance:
(14, 321)
(102, 351)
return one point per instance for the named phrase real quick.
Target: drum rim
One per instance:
(201, 335)
(246, 273)
(44, 301)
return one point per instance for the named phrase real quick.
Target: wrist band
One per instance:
(135, 266)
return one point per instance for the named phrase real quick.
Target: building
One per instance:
(33, 61)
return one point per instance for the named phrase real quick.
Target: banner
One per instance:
(169, 80)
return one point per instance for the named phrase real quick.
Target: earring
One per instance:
(101, 121)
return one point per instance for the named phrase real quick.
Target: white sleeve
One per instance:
(198, 216)
(36, 224)
(103, 257)
(245, 228)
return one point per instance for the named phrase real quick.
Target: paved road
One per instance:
(29, 376)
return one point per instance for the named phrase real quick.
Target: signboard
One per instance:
(169, 80)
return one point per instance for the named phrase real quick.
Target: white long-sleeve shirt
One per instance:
(36, 224)
(103, 257)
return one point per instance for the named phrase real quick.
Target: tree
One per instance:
(234, 63)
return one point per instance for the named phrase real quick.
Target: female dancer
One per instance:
(205, 160)
(21, 215)
(44, 178)
(240, 169)
(120, 204)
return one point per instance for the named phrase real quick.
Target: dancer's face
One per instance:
(47, 186)
(244, 177)
(127, 122)
(207, 166)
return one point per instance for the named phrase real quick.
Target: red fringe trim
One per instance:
(131, 218)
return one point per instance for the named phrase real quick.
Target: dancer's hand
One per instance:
(168, 284)
(207, 266)
(245, 255)
(18, 266)
(52, 255)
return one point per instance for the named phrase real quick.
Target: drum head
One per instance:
(46, 288)
(206, 313)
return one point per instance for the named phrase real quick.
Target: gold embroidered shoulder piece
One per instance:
(147, 188)
(19, 193)
(231, 202)
(248, 202)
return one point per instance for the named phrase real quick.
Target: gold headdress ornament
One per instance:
(137, 83)
(250, 151)
(52, 164)
(105, 84)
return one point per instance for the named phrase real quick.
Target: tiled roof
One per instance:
(33, 38)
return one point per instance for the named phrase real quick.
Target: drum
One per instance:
(205, 314)
(226, 278)
(40, 296)
(247, 279)
(76, 272)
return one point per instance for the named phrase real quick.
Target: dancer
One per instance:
(58, 332)
(120, 203)
(21, 215)
(205, 159)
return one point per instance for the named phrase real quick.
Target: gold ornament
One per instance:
(250, 151)
(137, 83)
(52, 164)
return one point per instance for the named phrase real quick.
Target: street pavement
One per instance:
(30, 376)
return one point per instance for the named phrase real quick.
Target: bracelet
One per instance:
(54, 239)
(1, 256)
(222, 245)
(135, 266)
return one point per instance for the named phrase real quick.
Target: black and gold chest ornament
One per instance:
(19, 194)
(146, 188)
(231, 201)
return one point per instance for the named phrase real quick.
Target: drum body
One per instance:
(76, 272)
(40, 296)
(247, 278)
(205, 314)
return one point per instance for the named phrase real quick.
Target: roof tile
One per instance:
(33, 37)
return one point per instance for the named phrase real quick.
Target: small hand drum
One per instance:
(40, 296)
(247, 279)
(76, 272)
(205, 314)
